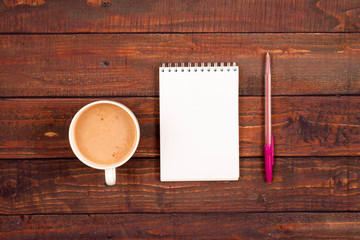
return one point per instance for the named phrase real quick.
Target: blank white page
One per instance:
(199, 133)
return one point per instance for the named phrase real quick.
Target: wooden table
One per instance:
(56, 56)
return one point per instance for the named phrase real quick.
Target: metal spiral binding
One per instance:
(199, 67)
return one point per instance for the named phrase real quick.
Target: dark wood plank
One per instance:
(39, 127)
(127, 65)
(69, 186)
(183, 226)
(303, 126)
(179, 16)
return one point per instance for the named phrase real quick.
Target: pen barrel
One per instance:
(267, 102)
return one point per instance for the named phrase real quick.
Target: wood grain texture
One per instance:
(13, 3)
(69, 186)
(312, 54)
(127, 65)
(180, 16)
(302, 126)
(183, 226)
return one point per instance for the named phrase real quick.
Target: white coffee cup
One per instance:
(110, 172)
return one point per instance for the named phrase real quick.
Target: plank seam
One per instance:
(158, 157)
(175, 213)
(157, 96)
(183, 33)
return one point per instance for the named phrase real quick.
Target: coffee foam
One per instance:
(105, 134)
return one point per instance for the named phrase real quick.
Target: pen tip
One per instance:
(267, 54)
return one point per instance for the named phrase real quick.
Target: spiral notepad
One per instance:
(199, 135)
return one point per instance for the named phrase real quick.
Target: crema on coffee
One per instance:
(105, 134)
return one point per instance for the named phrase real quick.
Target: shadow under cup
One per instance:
(104, 135)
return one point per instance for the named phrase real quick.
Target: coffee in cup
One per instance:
(104, 135)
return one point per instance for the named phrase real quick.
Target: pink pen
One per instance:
(269, 140)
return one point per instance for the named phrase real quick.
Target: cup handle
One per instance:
(110, 176)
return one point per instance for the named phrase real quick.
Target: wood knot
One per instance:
(51, 134)
(340, 179)
(8, 191)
